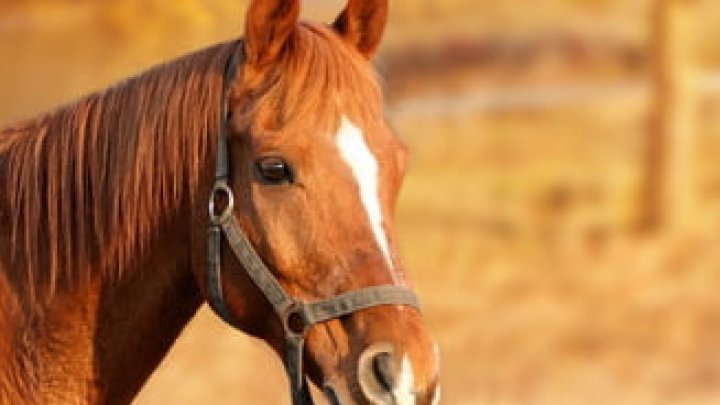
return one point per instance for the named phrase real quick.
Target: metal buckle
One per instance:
(295, 322)
(220, 189)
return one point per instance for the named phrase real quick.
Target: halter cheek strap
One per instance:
(296, 316)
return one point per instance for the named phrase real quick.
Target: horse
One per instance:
(258, 175)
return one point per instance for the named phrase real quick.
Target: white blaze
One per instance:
(436, 396)
(364, 166)
(403, 391)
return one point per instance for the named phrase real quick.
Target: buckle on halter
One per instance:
(221, 193)
(295, 322)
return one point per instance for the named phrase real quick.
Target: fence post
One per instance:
(670, 187)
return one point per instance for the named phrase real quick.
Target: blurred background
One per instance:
(562, 211)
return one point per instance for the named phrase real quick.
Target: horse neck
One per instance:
(99, 342)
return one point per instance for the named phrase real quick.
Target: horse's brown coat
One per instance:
(103, 213)
(95, 194)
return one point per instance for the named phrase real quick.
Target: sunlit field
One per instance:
(520, 224)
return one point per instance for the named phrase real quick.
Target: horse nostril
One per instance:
(382, 365)
(377, 373)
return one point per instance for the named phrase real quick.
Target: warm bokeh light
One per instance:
(524, 218)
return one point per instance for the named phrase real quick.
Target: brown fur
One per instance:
(315, 235)
(362, 24)
(88, 191)
(102, 216)
(321, 78)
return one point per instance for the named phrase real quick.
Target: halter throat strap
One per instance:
(296, 316)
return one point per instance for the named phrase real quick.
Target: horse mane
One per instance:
(86, 186)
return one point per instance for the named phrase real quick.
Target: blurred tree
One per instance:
(671, 142)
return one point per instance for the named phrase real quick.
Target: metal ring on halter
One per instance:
(294, 321)
(221, 188)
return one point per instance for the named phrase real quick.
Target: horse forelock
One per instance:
(318, 79)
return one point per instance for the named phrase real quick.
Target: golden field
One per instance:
(518, 224)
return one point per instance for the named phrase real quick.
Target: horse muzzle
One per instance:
(384, 378)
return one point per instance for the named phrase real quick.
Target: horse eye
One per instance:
(274, 171)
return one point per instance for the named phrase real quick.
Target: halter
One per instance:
(296, 315)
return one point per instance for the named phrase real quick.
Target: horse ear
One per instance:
(362, 24)
(268, 26)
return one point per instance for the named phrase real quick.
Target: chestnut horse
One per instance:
(104, 220)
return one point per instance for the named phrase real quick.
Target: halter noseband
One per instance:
(296, 316)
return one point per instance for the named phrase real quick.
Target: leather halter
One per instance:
(296, 315)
